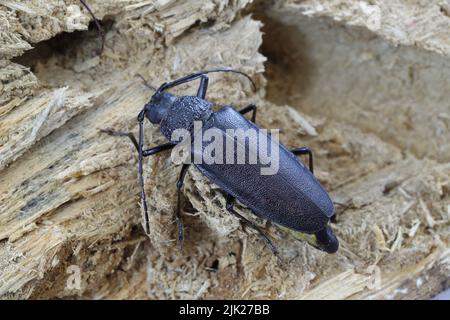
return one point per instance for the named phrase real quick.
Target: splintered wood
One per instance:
(365, 89)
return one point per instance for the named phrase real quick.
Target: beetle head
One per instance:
(156, 109)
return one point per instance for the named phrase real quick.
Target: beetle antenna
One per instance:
(141, 171)
(148, 85)
(194, 76)
(98, 25)
(233, 71)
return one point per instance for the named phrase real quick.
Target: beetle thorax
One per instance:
(182, 114)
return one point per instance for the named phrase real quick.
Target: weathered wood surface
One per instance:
(372, 102)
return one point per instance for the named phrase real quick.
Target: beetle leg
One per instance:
(305, 150)
(142, 153)
(155, 150)
(178, 212)
(122, 134)
(250, 107)
(229, 206)
(145, 153)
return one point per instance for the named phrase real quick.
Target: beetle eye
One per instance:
(154, 113)
(158, 106)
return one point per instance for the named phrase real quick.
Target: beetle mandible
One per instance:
(292, 197)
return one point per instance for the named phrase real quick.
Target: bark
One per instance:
(363, 85)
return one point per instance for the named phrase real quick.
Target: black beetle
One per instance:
(292, 197)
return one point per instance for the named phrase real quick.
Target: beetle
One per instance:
(316, 210)
(292, 197)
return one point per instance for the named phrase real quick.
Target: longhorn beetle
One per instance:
(292, 197)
